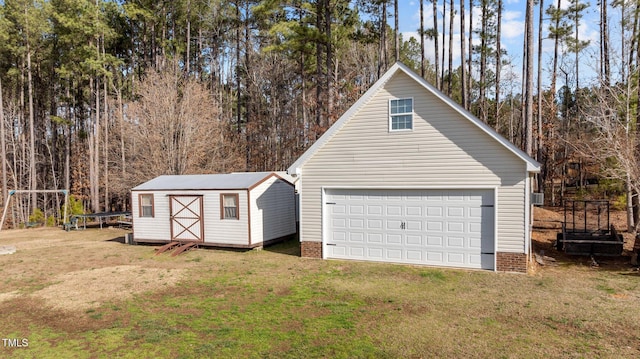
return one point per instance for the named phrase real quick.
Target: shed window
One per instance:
(146, 205)
(401, 114)
(229, 206)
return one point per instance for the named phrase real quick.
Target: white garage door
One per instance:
(436, 227)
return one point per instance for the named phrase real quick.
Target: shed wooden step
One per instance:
(167, 247)
(184, 248)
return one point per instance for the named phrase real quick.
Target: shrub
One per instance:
(37, 216)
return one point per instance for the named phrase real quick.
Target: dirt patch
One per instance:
(547, 219)
(86, 289)
(8, 296)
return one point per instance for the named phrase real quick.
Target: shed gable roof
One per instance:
(240, 180)
(294, 169)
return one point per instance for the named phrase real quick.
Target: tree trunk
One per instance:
(483, 62)
(539, 144)
(451, 17)
(3, 150)
(498, 62)
(470, 61)
(604, 36)
(463, 72)
(123, 158)
(33, 179)
(105, 149)
(435, 42)
(444, 14)
(422, 38)
(329, 57)
(529, 79)
(556, 52)
(187, 59)
(396, 38)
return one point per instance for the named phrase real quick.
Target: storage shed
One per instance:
(240, 210)
(407, 175)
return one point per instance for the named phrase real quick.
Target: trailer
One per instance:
(587, 230)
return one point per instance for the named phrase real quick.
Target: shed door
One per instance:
(435, 227)
(186, 218)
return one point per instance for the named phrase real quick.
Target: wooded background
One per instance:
(98, 96)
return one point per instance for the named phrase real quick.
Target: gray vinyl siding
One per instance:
(272, 210)
(444, 150)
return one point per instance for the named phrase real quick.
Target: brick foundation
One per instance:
(511, 262)
(311, 249)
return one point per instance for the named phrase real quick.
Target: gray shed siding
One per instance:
(272, 205)
(444, 150)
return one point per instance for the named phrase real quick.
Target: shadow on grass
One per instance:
(117, 239)
(289, 247)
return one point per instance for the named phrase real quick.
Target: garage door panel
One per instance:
(338, 209)
(455, 227)
(455, 212)
(435, 257)
(356, 209)
(356, 223)
(394, 224)
(339, 236)
(414, 240)
(394, 210)
(339, 223)
(413, 225)
(455, 258)
(375, 238)
(394, 254)
(433, 241)
(414, 256)
(374, 224)
(356, 237)
(436, 227)
(394, 239)
(434, 211)
(357, 252)
(375, 253)
(414, 211)
(455, 242)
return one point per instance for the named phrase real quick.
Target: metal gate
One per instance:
(186, 218)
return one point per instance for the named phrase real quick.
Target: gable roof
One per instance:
(294, 169)
(239, 180)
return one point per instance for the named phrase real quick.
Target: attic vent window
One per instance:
(401, 114)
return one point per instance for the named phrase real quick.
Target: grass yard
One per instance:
(83, 294)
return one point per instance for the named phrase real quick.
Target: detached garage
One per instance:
(408, 176)
(240, 210)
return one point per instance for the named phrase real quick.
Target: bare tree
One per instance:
(613, 143)
(174, 126)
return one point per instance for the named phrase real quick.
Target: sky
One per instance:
(512, 30)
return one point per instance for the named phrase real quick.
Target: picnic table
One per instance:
(122, 216)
